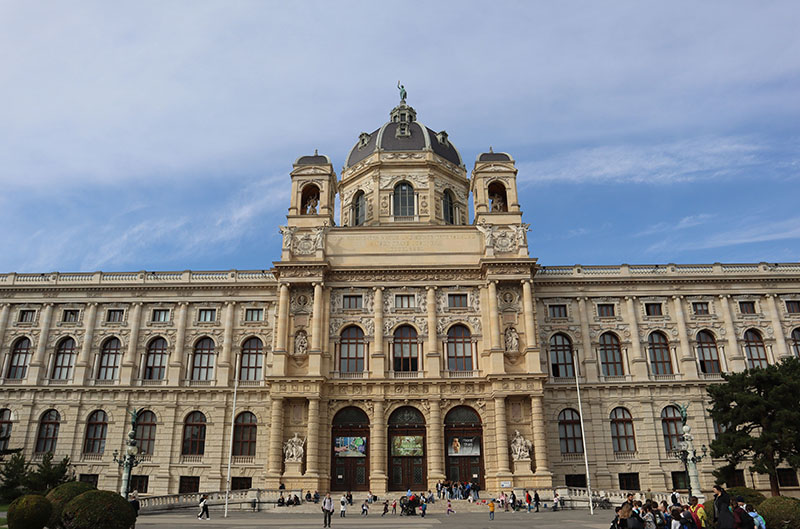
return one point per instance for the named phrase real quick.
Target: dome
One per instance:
(494, 157)
(403, 133)
(314, 159)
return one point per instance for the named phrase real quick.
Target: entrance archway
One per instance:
(350, 450)
(463, 434)
(407, 463)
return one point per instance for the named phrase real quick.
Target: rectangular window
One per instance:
(787, 477)
(629, 481)
(241, 483)
(139, 483)
(254, 315)
(187, 484)
(747, 307)
(207, 315)
(605, 310)
(653, 309)
(700, 308)
(679, 480)
(793, 307)
(575, 480)
(91, 479)
(405, 301)
(352, 301)
(558, 311)
(70, 316)
(736, 480)
(114, 315)
(457, 301)
(27, 316)
(161, 315)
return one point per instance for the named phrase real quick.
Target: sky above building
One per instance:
(160, 135)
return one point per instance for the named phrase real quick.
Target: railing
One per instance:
(250, 383)
(96, 278)
(669, 269)
(462, 374)
(91, 457)
(357, 375)
(199, 383)
(151, 381)
(243, 460)
(579, 497)
(103, 382)
(565, 380)
(614, 378)
(624, 456)
(664, 378)
(192, 459)
(573, 456)
(245, 499)
(405, 374)
(405, 218)
(710, 376)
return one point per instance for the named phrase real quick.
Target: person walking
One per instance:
(423, 508)
(327, 510)
(394, 506)
(722, 511)
(364, 508)
(528, 500)
(450, 508)
(741, 519)
(536, 500)
(203, 507)
(385, 508)
(698, 512)
(343, 507)
(491, 509)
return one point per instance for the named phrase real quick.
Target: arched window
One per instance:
(155, 366)
(65, 360)
(404, 200)
(5, 428)
(109, 359)
(96, 427)
(569, 432)
(448, 207)
(660, 360)
(754, 348)
(20, 356)
(497, 196)
(194, 434)
(252, 352)
(405, 349)
(351, 350)
(796, 342)
(459, 349)
(561, 356)
(359, 209)
(622, 437)
(309, 200)
(671, 426)
(47, 436)
(146, 432)
(707, 353)
(203, 361)
(611, 355)
(244, 434)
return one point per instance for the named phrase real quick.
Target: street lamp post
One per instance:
(689, 456)
(129, 460)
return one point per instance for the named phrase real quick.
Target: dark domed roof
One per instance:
(494, 157)
(391, 138)
(314, 159)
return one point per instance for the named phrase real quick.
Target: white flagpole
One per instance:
(583, 434)
(233, 420)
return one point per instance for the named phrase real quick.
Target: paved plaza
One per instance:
(469, 520)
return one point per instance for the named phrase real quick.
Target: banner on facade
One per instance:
(350, 447)
(407, 445)
(464, 446)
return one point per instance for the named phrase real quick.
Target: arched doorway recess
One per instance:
(407, 462)
(463, 434)
(350, 450)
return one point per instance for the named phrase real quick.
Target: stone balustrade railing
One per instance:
(247, 499)
(142, 277)
(579, 497)
(672, 270)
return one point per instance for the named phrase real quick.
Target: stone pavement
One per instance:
(577, 519)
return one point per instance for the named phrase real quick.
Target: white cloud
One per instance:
(686, 222)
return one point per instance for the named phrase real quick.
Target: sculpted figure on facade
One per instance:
(311, 205)
(520, 447)
(293, 449)
(512, 340)
(488, 231)
(498, 204)
(521, 233)
(301, 343)
(287, 232)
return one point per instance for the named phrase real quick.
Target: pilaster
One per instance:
(313, 436)
(129, 361)
(378, 460)
(377, 364)
(176, 359)
(37, 373)
(279, 355)
(432, 354)
(734, 357)
(5, 308)
(275, 459)
(83, 365)
(638, 360)
(435, 445)
(686, 359)
(539, 438)
(501, 437)
(533, 360)
(780, 337)
(589, 362)
(315, 353)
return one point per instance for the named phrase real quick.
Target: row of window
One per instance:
(156, 315)
(402, 301)
(611, 361)
(699, 308)
(404, 205)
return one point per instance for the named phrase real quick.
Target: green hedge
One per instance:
(29, 512)
(62, 495)
(98, 509)
(780, 512)
(751, 496)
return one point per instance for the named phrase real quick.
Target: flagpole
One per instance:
(233, 422)
(583, 435)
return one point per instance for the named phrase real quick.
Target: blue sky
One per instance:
(160, 135)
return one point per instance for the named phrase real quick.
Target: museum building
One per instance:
(400, 344)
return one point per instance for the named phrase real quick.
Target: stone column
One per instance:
(637, 359)
(589, 364)
(780, 337)
(279, 355)
(435, 444)
(275, 461)
(39, 361)
(129, 371)
(501, 436)
(376, 364)
(4, 310)
(432, 356)
(539, 436)
(176, 359)
(377, 446)
(83, 365)
(532, 351)
(313, 436)
(733, 356)
(315, 352)
(494, 317)
(686, 358)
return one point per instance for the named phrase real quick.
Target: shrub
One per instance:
(780, 512)
(29, 512)
(751, 496)
(96, 509)
(62, 495)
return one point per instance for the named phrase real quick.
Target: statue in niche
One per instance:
(311, 205)
(520, 447)
(498, 204)
(293, 449)
(512, 340)
(300, 343)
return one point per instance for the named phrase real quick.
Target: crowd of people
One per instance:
(458, 490)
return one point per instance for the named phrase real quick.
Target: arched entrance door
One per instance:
(350, 450)
(407, 465)
(463, 436)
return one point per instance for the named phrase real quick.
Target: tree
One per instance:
(14, 475)
(47, 475)
(759, 412)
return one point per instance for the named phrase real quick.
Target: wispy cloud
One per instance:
(686, 222)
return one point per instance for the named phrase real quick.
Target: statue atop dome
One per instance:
(403, 92)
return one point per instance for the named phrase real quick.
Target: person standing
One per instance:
(134, 501)
(674, 497)
(394, 506)
(327, 510)
(698, 512)
(364, 508)
(491, 509)
(536, 500)
(343, 506)
(722, 508)
(741, 519)
(203, 507)
(423, 508)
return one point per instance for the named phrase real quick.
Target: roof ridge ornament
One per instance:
(403, 93)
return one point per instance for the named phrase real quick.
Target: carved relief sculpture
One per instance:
(520, 447)
(301, 343)
(512, 340)
(293, 449)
